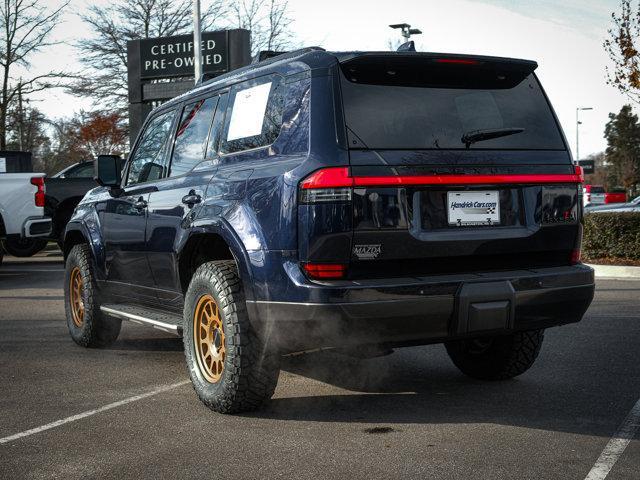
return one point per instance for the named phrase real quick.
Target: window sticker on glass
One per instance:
(247, 116)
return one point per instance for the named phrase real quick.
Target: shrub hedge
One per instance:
(611, 234)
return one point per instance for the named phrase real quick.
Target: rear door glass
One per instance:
(191, 138)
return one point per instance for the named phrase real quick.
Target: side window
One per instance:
(84, 170)
(147, 162)
(218, 124)
(254, 116)
(191, 138)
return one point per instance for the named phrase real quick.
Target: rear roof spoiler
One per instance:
(437, 70)
(517, 63)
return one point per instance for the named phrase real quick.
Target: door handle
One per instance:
(192, 198)
(140, 204)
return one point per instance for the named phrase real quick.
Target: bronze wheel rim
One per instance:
(208, 338)
(76, 290)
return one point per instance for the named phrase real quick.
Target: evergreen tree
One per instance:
(623, 151)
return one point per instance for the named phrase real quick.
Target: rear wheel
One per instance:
(86, 323)
(496, 358)
(230, 367)
(23, 247)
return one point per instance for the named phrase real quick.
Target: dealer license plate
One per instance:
(473, 208)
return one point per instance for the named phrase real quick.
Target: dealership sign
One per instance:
(173, 56)
(159, 69)
(588, 166)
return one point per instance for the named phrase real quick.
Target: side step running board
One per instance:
(160, 320)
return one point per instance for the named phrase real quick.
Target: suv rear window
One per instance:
(417, 103)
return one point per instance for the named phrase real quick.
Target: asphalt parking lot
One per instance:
(408, 415)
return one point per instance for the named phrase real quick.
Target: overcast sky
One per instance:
(564, 37)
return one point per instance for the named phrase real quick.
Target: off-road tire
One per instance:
(502, 358)
(250, 371)
(97, 330)
(24, 247)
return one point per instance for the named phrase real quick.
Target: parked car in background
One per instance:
(632, 206)
(65, 189)
(616, 196)
(593, 195)
(23, 225)
(77, 170)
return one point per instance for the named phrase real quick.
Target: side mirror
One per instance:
(108, 171)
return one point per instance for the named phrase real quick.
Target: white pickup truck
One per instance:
(22, 219)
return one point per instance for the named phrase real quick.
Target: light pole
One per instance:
(578, 123)
(197, 42)
(406, 31)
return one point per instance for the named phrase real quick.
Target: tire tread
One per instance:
(250, 375)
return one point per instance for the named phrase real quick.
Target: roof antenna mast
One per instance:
(406, 31)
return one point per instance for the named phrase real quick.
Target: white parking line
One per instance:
(617, 445)
(89, 413)
(27, 270)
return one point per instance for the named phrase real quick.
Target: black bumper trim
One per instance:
(409, 319)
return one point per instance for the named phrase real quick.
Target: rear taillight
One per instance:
(39, 197)
(575, 256)
(325, 271)
(327, 185)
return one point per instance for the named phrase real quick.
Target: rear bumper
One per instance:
(36, 227)
(435, 309)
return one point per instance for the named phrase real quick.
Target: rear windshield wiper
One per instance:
(487, 134)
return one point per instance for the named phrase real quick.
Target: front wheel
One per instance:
(86, 323)
(231, 368)
(23, 247)
(496, 358)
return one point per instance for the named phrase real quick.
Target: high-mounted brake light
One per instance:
(325, 271)
(457, 61)
(39, 196)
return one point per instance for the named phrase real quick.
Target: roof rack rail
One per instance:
(266, 55)
(277, 56)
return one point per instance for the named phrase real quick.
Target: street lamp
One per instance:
(405, 30)
(578, 123)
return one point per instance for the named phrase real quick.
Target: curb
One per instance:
(615, 271)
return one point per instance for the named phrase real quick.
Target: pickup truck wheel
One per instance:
(496, 358)
(86, 323)
(231, 369)
(23, 247)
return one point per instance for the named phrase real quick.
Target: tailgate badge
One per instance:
(367, 252)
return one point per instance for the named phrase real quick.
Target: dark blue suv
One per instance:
(360, 201)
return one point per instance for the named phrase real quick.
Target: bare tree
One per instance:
(267, 20)
(623, 49)
(105, 54)
(26, 27)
